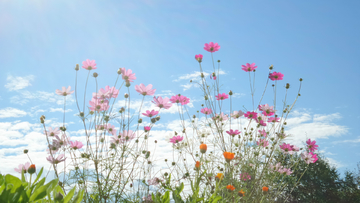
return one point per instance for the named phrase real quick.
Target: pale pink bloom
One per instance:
(314, 156)
(89, 65)
(222, 96)
(162, 102)
(286, 171)
(180, 99)
(21, 167)
(60, 142)
(53, 148)
(237, 114)
(262, 142)
(98, 104)
(116, 139)
(111, 129)
(311, 145)
(245, 176)
(154, 181)
(59, 159)
(211, 47)
(308, 158)
(176, 139)
(276, 76)
(112, 91)
(64, 91)
(127, 135)
(127, 75)
(145, 90)
(147, 128)
(250, 115)
(206, 111)
(184, 100)
(276, 167)
(248, 67)
(76, 145)
(233, 133)
(52, 132)
(273, 119)
(150, 113)
(199, 57)
(263, 133)
(101, 127)
(106, 93)
(220, 117)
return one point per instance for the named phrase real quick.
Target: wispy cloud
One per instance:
(18, 83)
(25, 96)
(348, 141)
(11, 113)
(59, 110)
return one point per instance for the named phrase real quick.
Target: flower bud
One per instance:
(126, 95)
(63, 128)
(166, 174)
(271, 67)
(91, 112)
(301, 79)
(26, 151)
(119, 71)
(190, 80)
(173, 163)
(59, 196)
(95, 75)
(203, 148)
(287, 86)
(230, 93)
(77, 67)
(127, 84)
(140, 120)
(106, 118)
(82, 114)
(202, 75)
(218, 61)
(31, 169)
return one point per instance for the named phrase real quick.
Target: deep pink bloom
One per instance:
(147, 128)
(52, 132)
(237, 114)
(232, 132)
(273, 119)
(59, 159)
(262, 142)
(314, 156)
(249, 67)
(286, 147)
(76, 145)
(250, 115)
(222, 96)
(162, 102)
(150, 113)
(127, 75)
(213, 76)
(127, 135)
(176, 139)
(64, 91)
(145, 90)
(211, 47)
(267, 110)
(263, 133)
(199, 57)
(98, 104)
(89, 65)
(245, 176)
(206, 111)
(276, 76)
(312, 145)
(21, 167)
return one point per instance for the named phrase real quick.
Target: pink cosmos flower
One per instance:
(162, 102)
(276, 76)
(237, 114)
(222, 96)
(111, 129)
(76, 145)
(286, 171)
(276, 167)
(312, 145)
(176, 139)
(98, 104)
(263, 133)
(150, 113)
(147, 128)
(267, 110)
(101, 127)
(199, 57)
(52, 132)
(220, 117)
(21, 167)
(127, 135)
(245, 176)
(249, 67)
(211, 47)
(180, 99)
(206, 111)
(286, 148)
(213, 76)
(307, 157)
(233, 133)
(127, 75)
(59, 159)
(145, 90)
(250, 115)
(60, 141)
(106, 93)
(273, 119)
(314, 156)
(262, 142)
(89, 65)
(64, 91)
(154, 181)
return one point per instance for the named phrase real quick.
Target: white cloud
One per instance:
(18, 83)
(335, 163)
(25, 96)
(326, 118)
(195, 77)
(348, 141)
(59, 110)
(11, 112)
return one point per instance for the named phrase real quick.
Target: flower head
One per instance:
(127, 135)
(233, 133)
(180, 99)
(222, 96)
(229, 156)
(89, 65)
(52, 132)
(273, 119)
(32, 169)
(147, 128)
(145, 90)
(265, 189)
(308, 158)
(250, 115)
(99, 104)
(314, 156)
(127, 75)
(248, 67)
(276, 76)
(176, 139)
(311, 145)
(21, 167)
(230, 188)
(162, 102)
(197, 165)
(199, 57)
(262, 142)
(241, 193)
(154, 181)
(203, 148)
(237, 114)
(206, 111)
(245, 176)
(59, 159)
(76, 145)
(211, 47)
(64, 91)
(150, 113)
(219, 176)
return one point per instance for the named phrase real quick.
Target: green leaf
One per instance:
(16, 182)
(69, 195)
(42, 191)
(39, 175)
(78, 197)
(216, 199)
(22, 176)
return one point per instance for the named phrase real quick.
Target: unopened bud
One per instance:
(91, 112)
(271, 67)
(119, 71)
(287, 86)
(26, 151)
(82, 114)
(230, 93)
(31, 169)
(157, 118)
(63, 129)
(140, 120)
(218, 61)
(190, 80)
(301, 79)
(126, 95)
(206, 97)
(173, 163)
(155, 141)
(106, 118)
(153, 120)
(202, 75)
(95, 74)
(127, 83)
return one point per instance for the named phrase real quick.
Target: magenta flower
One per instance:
(206, 111)
(98, 104)
(312, 145)
(150, 113)
(213, 76)
(314, 156)
(237, 114)
(127, 135)
(127, 75)
(199, 57)
(145, 90)
(21, 167)
(211, 47)
(273, 119)
(250, 115)
(162, 102)
(286, 147)
(276, 76)
(249, 67)
(59, 159)
(176, 139)
(89, 65)
(233, 133)
(245, 176)
(147, 128)
(52, 132)
(64, 91)
(76, 145)
(222, 96)
(262, 142)
(263, 133)
(267, 110)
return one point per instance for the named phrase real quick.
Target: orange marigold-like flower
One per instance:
(32, 169)
(265, 189)
(203, 148)
(241, 193)
(229, 156)
(230, 188)
(197, 165)
(219, 176)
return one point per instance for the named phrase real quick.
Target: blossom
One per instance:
(311, 145)
(110, 128)
(314, 156)
(180, 99)
(76, 145)
(176, 139)
(213, 76)
(276, 76)
(267, 110)
(206, 111)
(148, 198)
(150, 113)
(60, 141)
(59, 159)
(64, 91)
(197, 165)
(233, 133)
(203, 148)
(250, 115)
(21, 167)
(286, 148)
(162, 102)
(308, 158)
(261, 119)
(263, 133)
(52, 132)
(211, 47)
(112, 91)
(221, 117)
(219, 176)
(147, 128)
(237, 114)
(245, 176)
(127, 135)
(262, 142)
(98, 104)
(241, 193)
(89, 65)
(154, 181)
(222, 96)
(127, 75)
(265, 189)
(199, 57)
(273, 119)
(248, 67)
(230, 188)
(229, 156)
(145, 90)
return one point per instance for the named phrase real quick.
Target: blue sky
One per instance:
(41, 41)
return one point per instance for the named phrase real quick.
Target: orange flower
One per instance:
(203, 148)
(265, 189)
(219, 176)
(241, 193)
(197, 165)
(31, 169)
(230, 188)
(229, 156)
